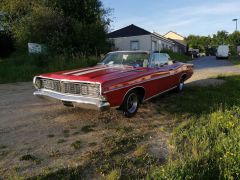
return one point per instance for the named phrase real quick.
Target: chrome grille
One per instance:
(76, 88)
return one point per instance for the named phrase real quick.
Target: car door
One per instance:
(161, 72)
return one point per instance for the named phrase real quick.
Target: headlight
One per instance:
(38, 83)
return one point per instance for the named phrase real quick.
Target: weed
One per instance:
(92, 144)
(61, 141)
(139, 151)
(114, 175)
(76, 145)
(66, 133)
(29, 157)
(3, 147)
(50, 135)
(87, 128)
(55, 153)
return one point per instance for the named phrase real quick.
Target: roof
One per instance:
(174, 33)
(131, 30)
(162, 37)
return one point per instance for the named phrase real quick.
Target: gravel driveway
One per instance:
(29, 125)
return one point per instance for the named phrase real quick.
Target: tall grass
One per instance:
(23, 67)
(205, 148)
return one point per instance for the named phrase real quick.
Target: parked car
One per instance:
(124, 79)
(222, 52)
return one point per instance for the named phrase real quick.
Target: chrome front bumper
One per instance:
(79, 101)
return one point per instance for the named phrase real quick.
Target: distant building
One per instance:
(179, 40)
(135, 38)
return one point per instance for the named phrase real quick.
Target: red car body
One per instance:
(114, 82)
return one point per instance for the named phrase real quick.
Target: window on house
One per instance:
(154, 46)
(134, 45)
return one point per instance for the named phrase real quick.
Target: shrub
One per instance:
(177, 56)
(6, 44)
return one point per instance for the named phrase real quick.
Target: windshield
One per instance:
(135, 59)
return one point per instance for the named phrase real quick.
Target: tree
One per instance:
(220, 38)
(73, 26)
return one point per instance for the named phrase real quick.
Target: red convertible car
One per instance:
(124, 79)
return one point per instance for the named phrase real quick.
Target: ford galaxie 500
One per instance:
(124, 79)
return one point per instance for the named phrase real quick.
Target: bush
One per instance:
(6, 44)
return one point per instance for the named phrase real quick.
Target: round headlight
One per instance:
(38, 83)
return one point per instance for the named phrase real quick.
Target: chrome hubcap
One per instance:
(132, 103)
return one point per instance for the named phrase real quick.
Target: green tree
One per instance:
(220, 38)
(73, 26)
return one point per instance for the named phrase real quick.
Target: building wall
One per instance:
(124, 43)
(146, 43)
(161, 44)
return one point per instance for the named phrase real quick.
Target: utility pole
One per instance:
(236, 20)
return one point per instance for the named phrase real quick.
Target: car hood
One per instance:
(100, 74)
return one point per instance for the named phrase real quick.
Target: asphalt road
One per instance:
(209, 66)
(26, 122)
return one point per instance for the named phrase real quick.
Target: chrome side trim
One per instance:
(160, 93)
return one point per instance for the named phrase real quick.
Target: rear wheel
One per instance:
(131, 104)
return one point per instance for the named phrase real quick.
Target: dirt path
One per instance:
(48, 130)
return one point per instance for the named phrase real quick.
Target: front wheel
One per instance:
(130, 104)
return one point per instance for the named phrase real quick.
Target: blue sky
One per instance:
(202, 17)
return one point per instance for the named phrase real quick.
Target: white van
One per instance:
(222, 52)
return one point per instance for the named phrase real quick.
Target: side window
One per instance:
(159, 59)
(134, 45)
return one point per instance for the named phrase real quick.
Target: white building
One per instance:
(180, 44)
(136, 38)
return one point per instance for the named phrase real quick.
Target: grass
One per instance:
(23, 67)
(50, 135)
(60, 141)
(66, 133)
(76, 145)
(235, 60)
(206, 142)
(29, 157)
(87, 128)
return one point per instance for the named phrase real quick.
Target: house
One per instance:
(135, 38)
(180, 44)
